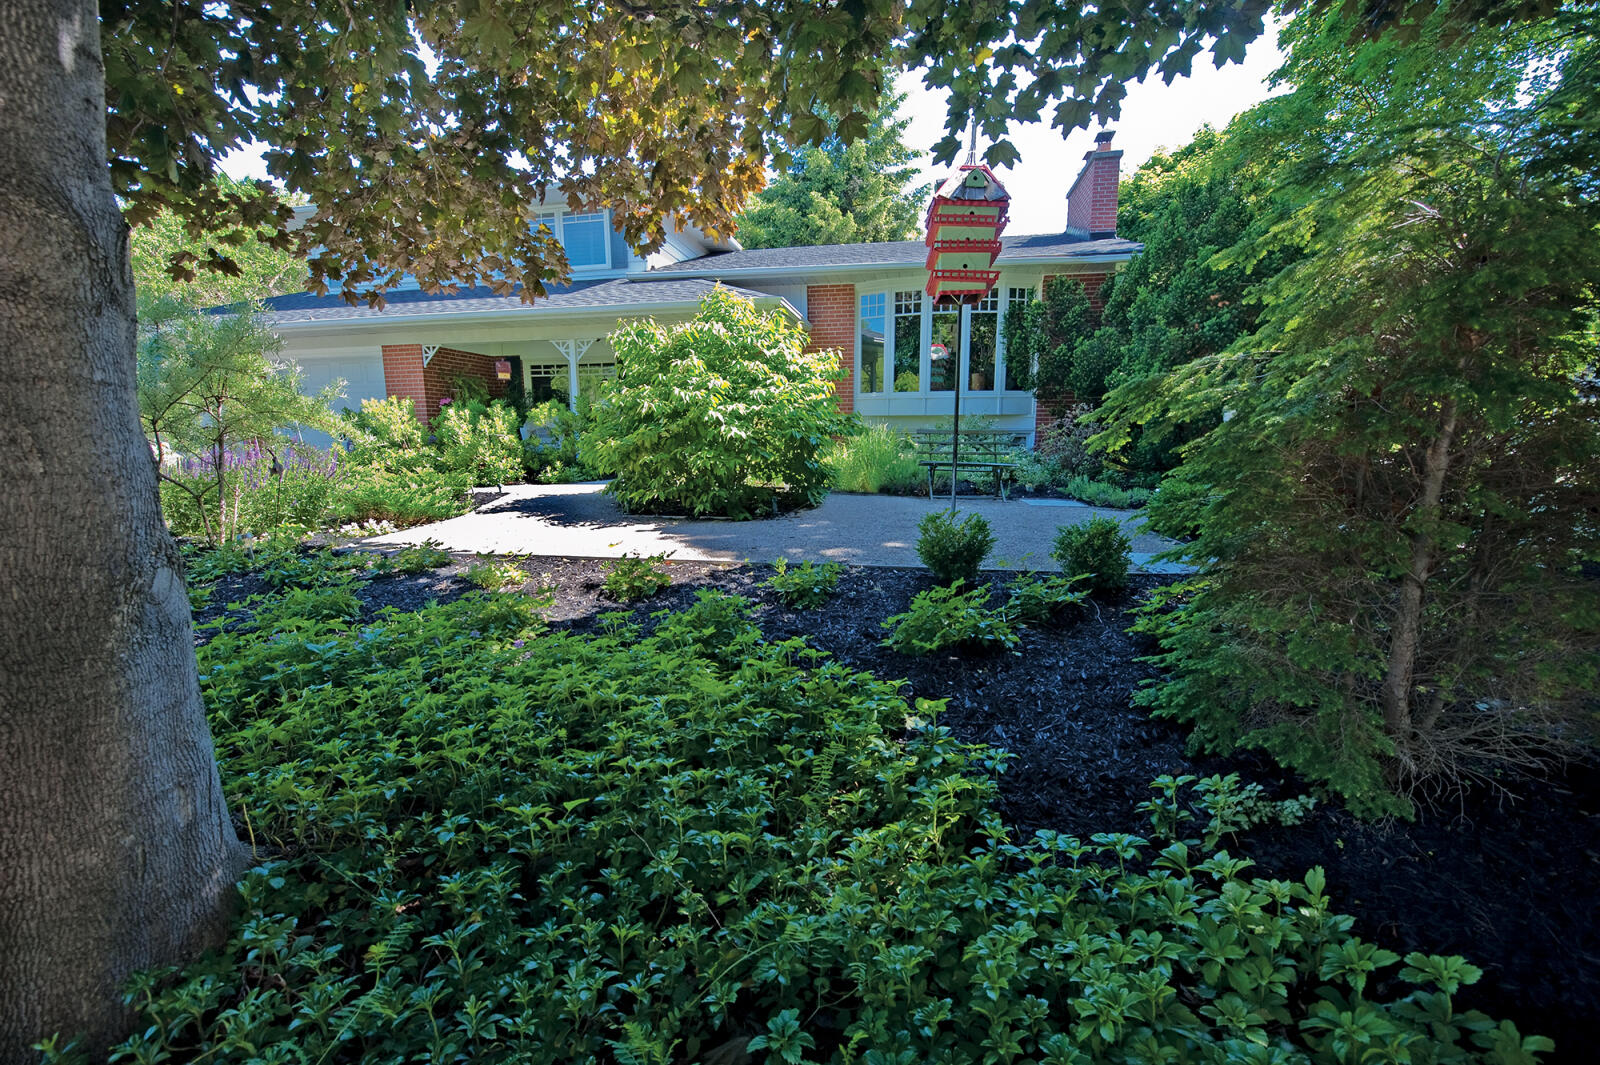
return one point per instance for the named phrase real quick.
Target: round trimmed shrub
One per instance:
(1098, 550)
(952, 549)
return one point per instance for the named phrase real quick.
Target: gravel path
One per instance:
(577, 521)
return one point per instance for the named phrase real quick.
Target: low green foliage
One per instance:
(1039, 599)
(879, 459)
(945, 617)
(723, 415)
(1104, 493)
(479, 841)
(953, 549)
(493, 574)
(401, 497)
(634, 577)
(807, 585)
(1098, 549)
(557, 449)
(419, 558)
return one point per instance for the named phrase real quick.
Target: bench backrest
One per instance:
(977, 445)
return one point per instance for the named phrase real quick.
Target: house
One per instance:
(901, 357)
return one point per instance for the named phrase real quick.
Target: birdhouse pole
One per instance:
(965, 220)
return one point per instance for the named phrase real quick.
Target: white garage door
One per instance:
(362, 375)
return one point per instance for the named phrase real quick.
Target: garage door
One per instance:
(362, 375)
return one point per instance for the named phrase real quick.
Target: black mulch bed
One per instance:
(1513, 886)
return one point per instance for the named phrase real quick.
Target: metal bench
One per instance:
(980, 450)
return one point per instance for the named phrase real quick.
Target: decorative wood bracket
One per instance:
(573, 349)
(428, 352)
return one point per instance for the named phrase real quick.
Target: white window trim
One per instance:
(556, 221)
(925, 335)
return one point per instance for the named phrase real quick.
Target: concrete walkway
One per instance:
(577, 521)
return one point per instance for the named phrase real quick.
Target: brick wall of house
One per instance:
(405, 375)
(1047, 414)
(832, 310)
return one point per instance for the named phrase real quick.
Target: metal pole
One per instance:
(958, 357)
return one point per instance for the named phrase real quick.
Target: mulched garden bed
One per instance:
(1513, 886)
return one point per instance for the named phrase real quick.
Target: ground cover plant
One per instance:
(478, 839)
(634, 577)
(945, 617)
(805, 586)
(726, 415)
(492, 574)
(418, 559)
(954, 550)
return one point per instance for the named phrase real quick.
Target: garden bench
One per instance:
(981, 450)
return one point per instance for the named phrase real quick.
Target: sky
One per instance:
(1154, 116)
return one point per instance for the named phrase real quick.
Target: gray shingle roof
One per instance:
(620, 294)
(898, 253)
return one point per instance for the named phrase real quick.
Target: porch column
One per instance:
(573, 351)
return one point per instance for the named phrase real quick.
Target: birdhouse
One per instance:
(502, 369)
(965, 220)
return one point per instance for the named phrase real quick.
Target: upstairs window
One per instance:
(586, 238)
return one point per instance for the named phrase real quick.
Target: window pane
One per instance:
(907, 341)
(872, 376)
(1016, 299)
(584, 238)
(944, 355)
(985, 332)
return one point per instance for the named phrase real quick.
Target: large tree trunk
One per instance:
(116, 851)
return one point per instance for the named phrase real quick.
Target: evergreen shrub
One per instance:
(954, 550)
(1098, 550)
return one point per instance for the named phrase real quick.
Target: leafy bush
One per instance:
(952, 549)
(1098, 549)
(722, 415)
(480, 842)
(948, 617)
(481, 443)
(1038, 600)
(419, 558)
(880, 459)
(376, 494)
(632, 577)
(1103, 494)
(805, 586)
(385, 432)
(492, 574)
(557, 449)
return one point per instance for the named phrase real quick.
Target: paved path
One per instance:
(577, 521)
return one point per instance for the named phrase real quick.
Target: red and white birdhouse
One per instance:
(965, 221)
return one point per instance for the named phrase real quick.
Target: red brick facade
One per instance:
(832, 311)
(405, 375)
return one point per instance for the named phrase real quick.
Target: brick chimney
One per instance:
(1092, 200)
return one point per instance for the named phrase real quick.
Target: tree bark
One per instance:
(116, 851)
(1406, 632)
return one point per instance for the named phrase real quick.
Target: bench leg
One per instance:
(930, 484)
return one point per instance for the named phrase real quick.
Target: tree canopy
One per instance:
(236, 273)
(1391, 508)
(841, 193)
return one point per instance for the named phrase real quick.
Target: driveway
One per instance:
(577, 521)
